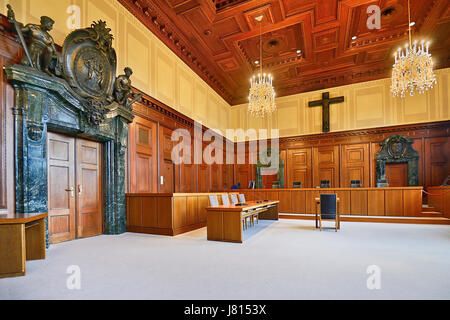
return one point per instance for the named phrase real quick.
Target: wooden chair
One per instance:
(329, 210)
(246, 218)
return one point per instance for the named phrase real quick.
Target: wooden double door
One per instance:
(74, 188)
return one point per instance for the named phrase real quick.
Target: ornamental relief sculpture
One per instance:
(87, 61)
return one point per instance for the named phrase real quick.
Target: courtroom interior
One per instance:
(224, 149)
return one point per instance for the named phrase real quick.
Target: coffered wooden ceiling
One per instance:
(219, 39)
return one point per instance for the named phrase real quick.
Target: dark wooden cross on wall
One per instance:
(325, 104)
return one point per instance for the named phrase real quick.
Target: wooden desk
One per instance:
(318, 209)
(22, 238)
(224, 223)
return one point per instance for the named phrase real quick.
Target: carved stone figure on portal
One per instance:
(40, 53)
(123, 89)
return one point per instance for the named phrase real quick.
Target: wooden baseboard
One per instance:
(165, 231)
(189, 228)
(405, 220)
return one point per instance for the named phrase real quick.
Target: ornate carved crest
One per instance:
(89, 66)
(397, 147)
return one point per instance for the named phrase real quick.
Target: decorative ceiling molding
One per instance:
(219, 46)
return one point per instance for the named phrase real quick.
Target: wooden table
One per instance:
(317, 200)
(224, 223)
(22, 238)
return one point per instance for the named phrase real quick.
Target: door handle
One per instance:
(80, 189)
(72, 194)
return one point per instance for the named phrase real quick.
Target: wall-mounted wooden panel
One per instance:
(355, 164)
(326, 165)
(299, 167)
(394, 203)
(10, 52)
(358, 202)
(437, 160)
(166, 180)
(143, 159)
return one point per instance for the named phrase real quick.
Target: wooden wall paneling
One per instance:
(355, 164)
(164, 212)
(150, 212)
(394, 203)
(203, 177)
(326, 165)
(143, 156)
(299, 167)
(179, 212)
(192, 211)
(397, 174)
(344, 203)
(202, 204)
(284, 158)
(418, 145)
(249, 195)
(375, 203)
(10, 53)
(437, 160)
(285, 201)
(358, 200)
(412, 203)
(311, 195)
(273, 195)
(260, 195)
(134, 212)
(216, 177)
(298, 201)
(166, 184)
(188, 171)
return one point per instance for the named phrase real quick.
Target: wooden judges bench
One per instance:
(175, 213)
(390, 202)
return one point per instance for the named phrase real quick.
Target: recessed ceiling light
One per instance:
(257, 62)
(299, 51)
(412, 24)
(354, 37)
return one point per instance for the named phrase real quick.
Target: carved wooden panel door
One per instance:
(166, 166)
(326, 165)
(61, 187)
(89, 189)
(143, 156)
(355, 164)
(299, 167)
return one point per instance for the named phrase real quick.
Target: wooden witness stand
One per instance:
(22, 238)
(225, 222)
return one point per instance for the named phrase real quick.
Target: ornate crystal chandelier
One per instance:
(262, 93)
(413, 68)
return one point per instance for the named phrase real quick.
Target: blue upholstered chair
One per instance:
(329, 210)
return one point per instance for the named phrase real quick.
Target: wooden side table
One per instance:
(22, 238)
